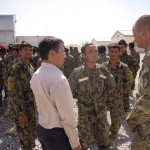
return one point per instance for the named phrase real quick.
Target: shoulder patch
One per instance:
(83, 79)
(11, 83)
(102, 76)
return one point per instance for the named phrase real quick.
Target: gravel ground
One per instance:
(8, 142)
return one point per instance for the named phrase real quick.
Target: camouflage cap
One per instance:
(122, 42)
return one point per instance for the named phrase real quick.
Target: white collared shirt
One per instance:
(54, 100)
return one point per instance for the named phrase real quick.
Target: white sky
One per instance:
(74, 21)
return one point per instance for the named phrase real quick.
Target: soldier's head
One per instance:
(51, 50)
(114, 51)
(141, 32)
(25, 50)
(89, 52)
(123, 46)
(66, 50)
(131, 46)
(101, 49)
(15, 50)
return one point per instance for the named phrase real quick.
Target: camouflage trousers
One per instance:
(126, 103)
(28, 134)
(140, 144)
(93, 129)
(1, 88)
(115, 115)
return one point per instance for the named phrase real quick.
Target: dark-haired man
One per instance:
(133, 66)
(22, 99)
(124, 79)
(102, 54)
(89, 84)
(69, 63)
(56, 118)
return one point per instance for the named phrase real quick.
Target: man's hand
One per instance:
(23, 120)
(78, 148)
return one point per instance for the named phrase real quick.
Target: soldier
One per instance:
(133, 66)
(35, 57)
(75, 53)
(22, 99)
(136, 56)
(139, 120)
(133, 52)
(2, 52)
(68, 64)
(89, 84)
(9, 61)
(102, 54)
(123, 78)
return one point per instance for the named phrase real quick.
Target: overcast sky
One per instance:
(75, 21)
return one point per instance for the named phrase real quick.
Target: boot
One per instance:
(12, 130)
(26, 147)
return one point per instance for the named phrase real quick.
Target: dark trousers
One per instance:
(53, 139)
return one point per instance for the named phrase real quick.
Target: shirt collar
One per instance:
(48, 65)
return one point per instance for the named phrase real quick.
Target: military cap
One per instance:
(113, 45)
(122, 42)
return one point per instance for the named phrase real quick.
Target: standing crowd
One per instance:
(41, 84)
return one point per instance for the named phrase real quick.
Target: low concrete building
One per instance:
(7, 29)
(126, 35)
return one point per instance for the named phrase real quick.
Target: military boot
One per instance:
(12, 130)
(29, 147)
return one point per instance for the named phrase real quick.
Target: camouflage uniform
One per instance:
(139, 120)
(102, 58)
(90, 87)
(124, 79)
(136, 56)
(133, 66)
(22, 102)
(74, 52)
(68, 65)
(9, 61)
(1, 79)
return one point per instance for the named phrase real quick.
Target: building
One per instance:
(127, 35)
(7, 29)
(34, 40)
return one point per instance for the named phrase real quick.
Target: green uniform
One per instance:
(102, 58)
(139, 120)
(136, 56)
(124, 79)
(1, 79)
(22, 102)
(69, 65)
(133, 66)
(90, 87)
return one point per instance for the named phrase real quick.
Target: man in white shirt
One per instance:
(56, 118)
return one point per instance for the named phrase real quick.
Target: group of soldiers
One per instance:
(98, 82)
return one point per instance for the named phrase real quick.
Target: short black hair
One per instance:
(48, 44)
(131, 45)
(66, 50)
(114, 45)
(101, 49)
(24, 44)
(83, 48)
